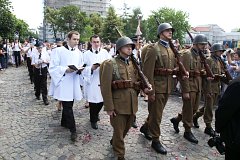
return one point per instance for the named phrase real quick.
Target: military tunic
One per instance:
(158, 56)
(192, 63)
(212, 88)
(123, 101)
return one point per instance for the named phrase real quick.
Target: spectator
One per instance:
(228, 121)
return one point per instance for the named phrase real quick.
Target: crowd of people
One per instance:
(113, 75)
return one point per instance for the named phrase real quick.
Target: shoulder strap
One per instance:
(159, 53)
(115, 69)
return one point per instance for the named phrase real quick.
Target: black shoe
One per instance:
(134, 125)
(195, 122)
(209, 131)
(46, 102)
(121, 158)
(94, 125)
(111, 141)
(158, 147)
(190, 137)
(73, 136)
(38, 98)
(146, 133)
(175, 124)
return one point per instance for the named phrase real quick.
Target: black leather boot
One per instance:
(190, 137)
(158, 147)
(175, 123)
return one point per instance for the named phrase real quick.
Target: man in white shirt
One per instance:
(93, 58)
(66, 80)
(16, 46)
(40, 59)
(28, 50)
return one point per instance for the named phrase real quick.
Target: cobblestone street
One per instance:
(31, 130)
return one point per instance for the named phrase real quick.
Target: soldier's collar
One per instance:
(125, 60)
(164, 43)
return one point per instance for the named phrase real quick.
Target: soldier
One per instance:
(40, 59)
(211, 89)
(191, 88)
(119, 82)
(158, 65)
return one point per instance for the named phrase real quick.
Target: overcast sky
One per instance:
(223, 13)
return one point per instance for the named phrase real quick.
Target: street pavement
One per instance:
(31, 130)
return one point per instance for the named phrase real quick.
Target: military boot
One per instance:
(195, 122)
(158, 147)
(190, 137)
(146, 132)
(175, 123)
(209, 131)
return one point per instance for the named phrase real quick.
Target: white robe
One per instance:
(92, 80)
(66, 86)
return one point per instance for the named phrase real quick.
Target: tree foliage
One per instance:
(109, 32)
(178, 20)
(96, 22)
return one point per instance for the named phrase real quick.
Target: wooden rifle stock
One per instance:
(228, 75)
(143, 78)
(182, 69)
(206, 66)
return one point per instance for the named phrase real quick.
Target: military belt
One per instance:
(165, 72)
(124, 84)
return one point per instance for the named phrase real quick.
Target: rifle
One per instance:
(203, 59)
(182, 69)
(228, 75)
(226, 72)
(143, 78)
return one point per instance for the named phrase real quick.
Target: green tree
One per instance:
(88, 32)
(178, 20)
(22, 28)
(109, 32)
(71, 18)
(96, 22)
(52, 18)
(6, 19)
(132, 22)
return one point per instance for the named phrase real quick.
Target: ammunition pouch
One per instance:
(124, 84)
(165, 72)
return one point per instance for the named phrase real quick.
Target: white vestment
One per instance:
(66, 86)
(91, 78)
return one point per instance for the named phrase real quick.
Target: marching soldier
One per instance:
(211, 89)
(40, 59)
(119, 81)
(93, 58)
(191, 88)
(158, 65)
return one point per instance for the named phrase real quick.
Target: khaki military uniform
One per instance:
(192, 63)
(210, 87)
(123, 101)
(158, 57)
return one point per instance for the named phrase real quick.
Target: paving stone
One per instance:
(30, 130)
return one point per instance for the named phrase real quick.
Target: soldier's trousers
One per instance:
(41, 83)
(121, 124)
(155, 110)
(189, 108)
(206, 110)
(30, 69)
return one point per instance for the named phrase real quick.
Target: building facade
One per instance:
(87, 6)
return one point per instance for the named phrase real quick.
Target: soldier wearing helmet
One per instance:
(158, 66)
(192, 87)
(211, 89)
(120, 85)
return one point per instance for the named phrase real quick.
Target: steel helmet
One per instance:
(200, 38)
(217, 47)
(124, 41)
(164, 26)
